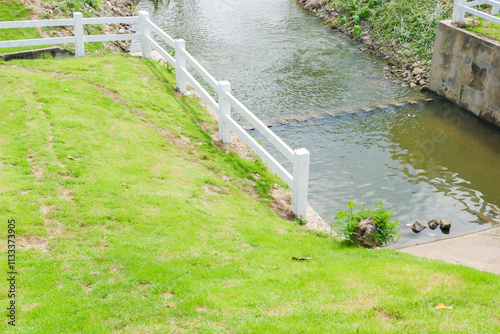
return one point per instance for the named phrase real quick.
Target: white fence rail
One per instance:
(222, 104)
(464, 6)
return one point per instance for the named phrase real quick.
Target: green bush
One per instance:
(364, 12)
(349, 219)
(356, 30)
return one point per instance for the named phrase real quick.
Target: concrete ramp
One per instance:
(479, 250)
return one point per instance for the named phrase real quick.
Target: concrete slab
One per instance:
(53, 51)
(478, 250)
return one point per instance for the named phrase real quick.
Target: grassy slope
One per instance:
(14, 10)
(146, 228)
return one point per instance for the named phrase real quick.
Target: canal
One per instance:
(369, 140)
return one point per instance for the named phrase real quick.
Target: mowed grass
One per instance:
(132, 221)
(14, 10)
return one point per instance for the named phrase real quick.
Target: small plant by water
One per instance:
(301, 220)
(355, 223)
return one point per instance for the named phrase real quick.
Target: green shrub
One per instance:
(356, 30)
(349, 219)
(364, 12)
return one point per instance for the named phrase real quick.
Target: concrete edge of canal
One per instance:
(480, 250)
(466, 70)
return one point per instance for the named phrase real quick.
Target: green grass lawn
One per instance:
(132, 221)
(14, 10)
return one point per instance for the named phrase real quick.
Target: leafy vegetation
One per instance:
(348, 221)
(130, 220)
(406, 29)
(301, 220)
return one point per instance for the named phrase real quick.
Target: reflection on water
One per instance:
(424, 161)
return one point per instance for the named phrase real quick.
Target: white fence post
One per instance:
(224, 110)
(78, 31)
(495, 9)
(300, 158)
(458, 12)
(180, 63)
(300, 181)
(145, 33)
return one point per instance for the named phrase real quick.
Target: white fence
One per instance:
(223, 104)
(464, 6)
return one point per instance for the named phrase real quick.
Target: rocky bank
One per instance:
(413, 75)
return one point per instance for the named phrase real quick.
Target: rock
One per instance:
(59, 34)
(313, 4)
(417, 71)
(417, 227)
(121, 31)
(364, 233)
(445, 223)
(433, 223)
(413, 85)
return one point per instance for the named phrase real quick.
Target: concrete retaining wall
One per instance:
(466, 70)
(54, 52)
